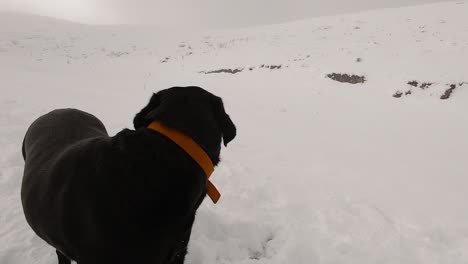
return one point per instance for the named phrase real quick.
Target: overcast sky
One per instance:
(194, 13)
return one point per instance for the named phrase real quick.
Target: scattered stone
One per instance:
(425, 85)
(237, 70)
(165, 60)
(273, 67)
(346, 78)
(358, 60)
(448, 92)
(413, 83)
(422, 85)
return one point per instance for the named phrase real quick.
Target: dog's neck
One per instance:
(193, 149)
(203, 132)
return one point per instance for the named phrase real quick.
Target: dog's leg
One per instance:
(62, 259)
(181, 249)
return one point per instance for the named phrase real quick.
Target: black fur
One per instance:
(130, 198)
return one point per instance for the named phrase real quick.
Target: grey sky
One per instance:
(195, 13)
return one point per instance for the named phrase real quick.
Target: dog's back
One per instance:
(46, 180)
(58, 129)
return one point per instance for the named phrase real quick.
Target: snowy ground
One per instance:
(321, 171)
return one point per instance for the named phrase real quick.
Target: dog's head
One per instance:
(193, 111)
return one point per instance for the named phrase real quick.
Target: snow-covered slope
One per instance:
(321, 171)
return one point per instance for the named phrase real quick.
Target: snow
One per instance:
(321, 171)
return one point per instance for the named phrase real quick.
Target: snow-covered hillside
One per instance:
(321, 171)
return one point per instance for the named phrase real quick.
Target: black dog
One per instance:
(130, 198)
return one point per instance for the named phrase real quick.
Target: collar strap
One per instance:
(193, 150)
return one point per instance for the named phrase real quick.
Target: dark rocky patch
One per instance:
(231, 71)
(451, 89)
(422, 85)
(238, 70)
(273, 67)
(346, 78)
(165, 59)
(425, 85)
(448, 92)
(397, 94)
(413, 83)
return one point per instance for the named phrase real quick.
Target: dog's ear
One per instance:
(224, 121)
(140, 119)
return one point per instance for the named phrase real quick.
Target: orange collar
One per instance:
(193, 150)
